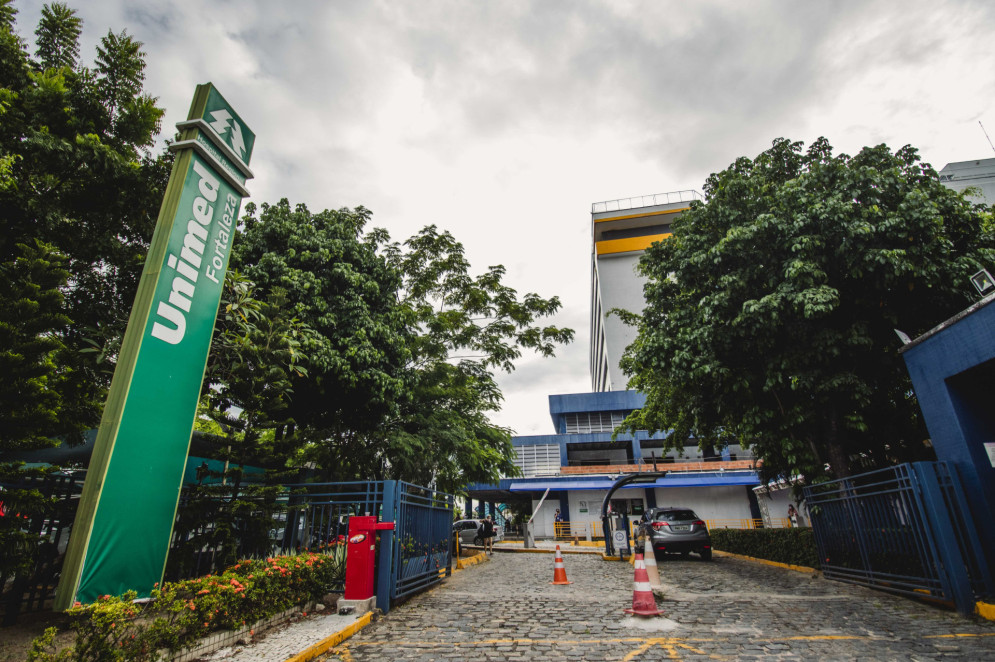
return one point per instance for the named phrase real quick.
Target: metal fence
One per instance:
(35, 590)
(904, 529)
(212, 531)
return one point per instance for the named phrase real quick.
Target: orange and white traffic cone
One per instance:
(559, 572)
(650, 560)
(643, 602)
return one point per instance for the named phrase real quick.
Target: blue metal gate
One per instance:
(905, 529)
(414, 556)
(418, 553)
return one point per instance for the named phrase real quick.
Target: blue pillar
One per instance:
(386, 560)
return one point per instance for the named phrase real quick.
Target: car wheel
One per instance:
(706, 555)
(478, 540)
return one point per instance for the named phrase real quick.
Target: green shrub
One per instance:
(795, 546)
(179, 614)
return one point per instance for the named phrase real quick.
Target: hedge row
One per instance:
(181, 613)
(795, 546)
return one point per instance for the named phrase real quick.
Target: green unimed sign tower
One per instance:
(125, 519)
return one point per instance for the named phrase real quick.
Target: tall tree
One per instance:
(400, 379)
(57, 37)
(80, 178)
(770, 312)
(32, 362)
(336, 284)
(465, 328)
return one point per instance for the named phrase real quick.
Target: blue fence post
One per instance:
(954, 572)
(385, 563)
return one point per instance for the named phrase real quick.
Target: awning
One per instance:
(704, 479)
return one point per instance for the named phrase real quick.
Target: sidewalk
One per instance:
(298, 641)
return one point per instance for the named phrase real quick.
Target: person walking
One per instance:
(792, 515)
(487, 533)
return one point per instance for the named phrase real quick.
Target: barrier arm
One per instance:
(646, 477)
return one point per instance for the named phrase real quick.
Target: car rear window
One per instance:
(676, 516)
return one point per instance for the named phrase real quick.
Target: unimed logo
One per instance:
(188, 263)
(223, 124)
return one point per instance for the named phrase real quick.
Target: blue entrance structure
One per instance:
(953, 373)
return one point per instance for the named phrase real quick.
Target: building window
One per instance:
(593, 421)
(538, 460)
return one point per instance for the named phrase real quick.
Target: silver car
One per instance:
(469, 531)
(677, 530)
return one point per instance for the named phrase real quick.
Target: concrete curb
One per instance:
(537, 550)
(985, 610)
(776, 564)
(464, 563)
(317, 649)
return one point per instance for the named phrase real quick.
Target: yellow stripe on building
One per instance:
(647, 214)
(627, 245)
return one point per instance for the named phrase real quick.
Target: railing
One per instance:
(645, 201)
(717, 464)
(211, 530)
(49, 527)
(905, 529)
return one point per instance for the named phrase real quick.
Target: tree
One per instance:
(79, 177)
(57, 37)
(247, 389)
(399, 381)
(465, 327)
(31, 394)
(770, 312)
(337, 285)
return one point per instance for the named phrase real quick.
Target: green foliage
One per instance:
(256, 352)
(399, 381)
(76, 176)
(465, 327)
(31, 392)
(57, 36)
(334, 283)
(794, 546)
(233, 519)
(179, 614)
(770, 312)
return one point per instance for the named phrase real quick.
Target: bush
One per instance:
(179, 614)
(795, 546)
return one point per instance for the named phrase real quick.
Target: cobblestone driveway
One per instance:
(729, 609)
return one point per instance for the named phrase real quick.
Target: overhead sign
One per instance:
(125, 519)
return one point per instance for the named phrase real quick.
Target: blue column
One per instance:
(385, 559)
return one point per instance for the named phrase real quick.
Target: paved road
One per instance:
(729, 609)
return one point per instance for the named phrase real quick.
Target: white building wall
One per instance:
(544, 517)
(621, 288)
(593, 499)
(730, 502)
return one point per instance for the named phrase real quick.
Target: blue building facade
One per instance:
(953, 373)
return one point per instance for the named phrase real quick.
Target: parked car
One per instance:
(677, 530)
(468, 531)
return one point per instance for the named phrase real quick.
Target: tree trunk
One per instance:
(839, 461)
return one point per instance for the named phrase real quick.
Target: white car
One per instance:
(468, 531)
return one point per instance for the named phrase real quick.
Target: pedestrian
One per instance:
(792, 515)
(487, 533)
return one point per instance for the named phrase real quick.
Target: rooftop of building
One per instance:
(640, 201)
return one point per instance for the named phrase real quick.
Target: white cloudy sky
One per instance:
(503, 121)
